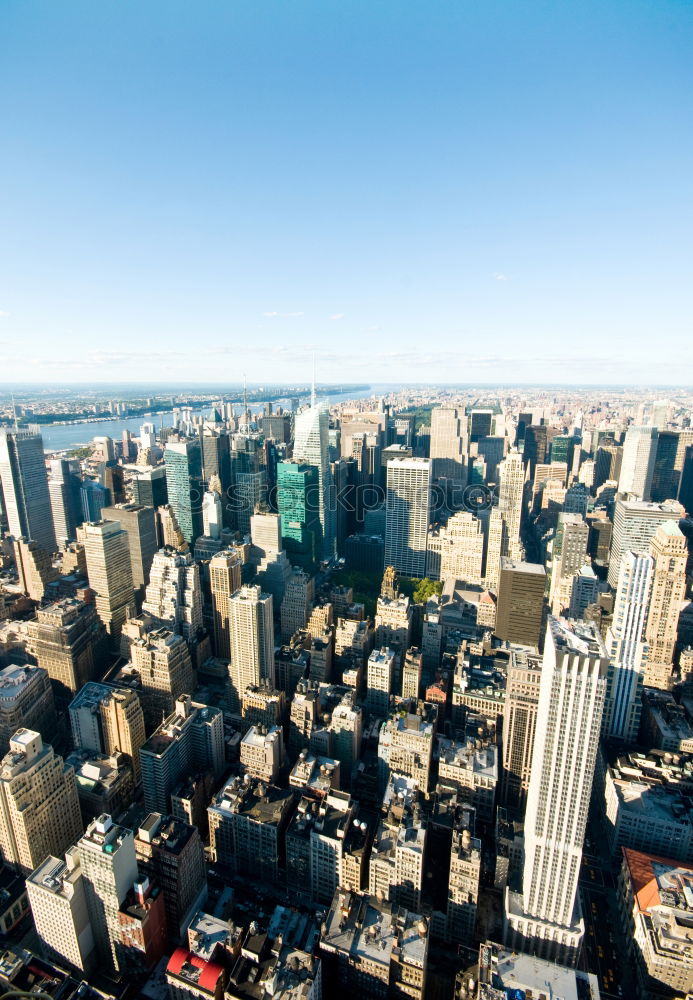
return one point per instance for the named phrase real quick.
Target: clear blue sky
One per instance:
(440, 190)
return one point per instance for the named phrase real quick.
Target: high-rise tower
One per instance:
(408, 514)
(25, 486)
(546, 918)
(311, 447)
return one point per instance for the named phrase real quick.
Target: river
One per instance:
(62, 437)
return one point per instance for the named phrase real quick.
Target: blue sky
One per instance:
(448, 190)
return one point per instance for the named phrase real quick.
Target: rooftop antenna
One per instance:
(312, 388)
(14, 411)
(245, 403)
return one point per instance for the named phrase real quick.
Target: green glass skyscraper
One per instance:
(183, 462)
(298, 503)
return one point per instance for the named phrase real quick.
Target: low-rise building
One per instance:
(656, 909)
(648, 804)
(472, 768)
(262, 752)
(373, 948)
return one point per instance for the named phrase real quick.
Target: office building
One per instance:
(405, 747)
(262, 752)
(448, 446)
(104, 783)
(463, 887)
(635, 522)
(107, 550)
(174, 593)
(251, 628)
(546, 918)
(67, 638)
(473, 768)
(63, 489)
(311, 447)
(140, 524)
(225, 579)
(685, 495)
(408, 506)
(170, 854)
(297, 604)
(510, 495)
(149, 487)
(669, 553)
(298, 502)
(161, 660)
(381, 674)
(396, 871)
(189, 741)
(25, 486)
(567, 558)
(638, 462)
(456, 550)
(520, 614)
(109, 869)
(108, 720)
(26, 702)
(247, 822)
(35, 570)
(93, 497)
(184, 486)
(59, 910)
(39, 809)
(519, 724)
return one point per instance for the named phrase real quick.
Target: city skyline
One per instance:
(491, 192)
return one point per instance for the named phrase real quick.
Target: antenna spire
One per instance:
(14, 412)
(312, 388)
(245, 403)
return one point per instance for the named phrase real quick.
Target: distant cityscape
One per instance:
(330, 690)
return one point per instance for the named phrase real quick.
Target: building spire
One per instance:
(245, 403)
(312, 388)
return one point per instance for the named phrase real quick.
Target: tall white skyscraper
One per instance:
(637, 466)
(311, 444)
(408, 514)
(25, 486)
(635, 523)
(251, 633)
(626, 646)
(546, 917)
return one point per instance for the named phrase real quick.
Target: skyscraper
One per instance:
(24, 483)
(63, 489)
(298, 503)
(311, 447)
(638, 463)
(109, 868)
(110, 574)
(669, 551)
(225, 580)
(626, 646)
(512, 480)
(635, 522)
(67, 638)
(174, 593)
(251, 629)
(408, 514)
(184, 486)
(519, 723)
(546, 918)
(520, 613)
(140, 524)
(448, 448)
(666, 474)
(39, 808)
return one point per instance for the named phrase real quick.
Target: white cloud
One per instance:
(3, 314)
(275, 314)
(499, 276)
(338, 316)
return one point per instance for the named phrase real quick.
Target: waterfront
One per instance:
(62, 437)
